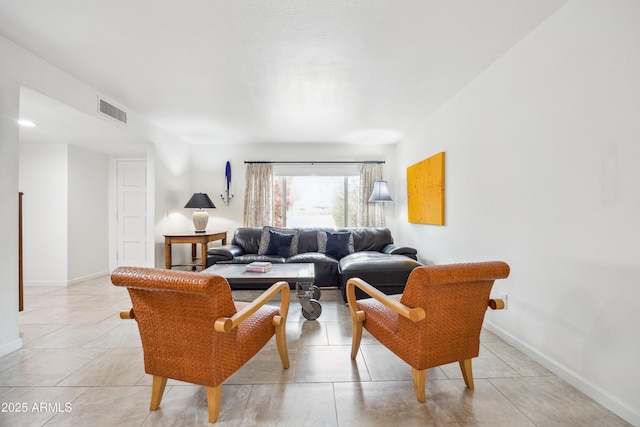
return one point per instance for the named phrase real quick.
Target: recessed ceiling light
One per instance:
(27, 123)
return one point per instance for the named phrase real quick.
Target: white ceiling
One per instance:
(214, 71)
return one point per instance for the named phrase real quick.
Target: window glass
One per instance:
(315, 201)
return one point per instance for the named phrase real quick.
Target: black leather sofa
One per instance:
(371, 254)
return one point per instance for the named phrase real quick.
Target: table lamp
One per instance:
(200, 218)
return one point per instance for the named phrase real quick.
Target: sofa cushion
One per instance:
(337, 244)
(279, 244)
(326, 267)
(371, 238)
(265, 237)
(386, 272)
(308, 241)
(376, 264)
(248, 238)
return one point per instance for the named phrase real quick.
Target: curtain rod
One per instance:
(311, 162)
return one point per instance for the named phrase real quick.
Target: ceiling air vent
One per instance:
(112, 111)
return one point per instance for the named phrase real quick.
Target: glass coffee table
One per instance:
(303, 275)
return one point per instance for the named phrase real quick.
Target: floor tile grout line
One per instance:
(517, 371)
(83, 365)
(335, 403)
(509, 400)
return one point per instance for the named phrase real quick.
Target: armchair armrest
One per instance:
(226, 324)
(226, 251)
(496, 304)
(127, 314)
(415, 314)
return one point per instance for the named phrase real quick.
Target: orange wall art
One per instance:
(425, 191)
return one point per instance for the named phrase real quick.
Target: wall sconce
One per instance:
(226, 198)
(200, 218)
(380, 192)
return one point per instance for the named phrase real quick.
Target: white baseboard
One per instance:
(597, 393)
(88, 277)
(65, 282)
(11, 347)
(45, 283)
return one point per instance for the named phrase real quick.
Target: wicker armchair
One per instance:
(435, 321)
(193, 331)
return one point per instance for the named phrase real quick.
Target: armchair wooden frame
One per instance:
(413, 314)
(227, 324)
(224, 325)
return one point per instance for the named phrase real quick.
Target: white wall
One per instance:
(43, 172)
(172, 182)
(9, 106)
(87, 219)
(541, 171)
(61, 185)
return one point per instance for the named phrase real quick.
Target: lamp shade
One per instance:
(380, 192)
(200, 201)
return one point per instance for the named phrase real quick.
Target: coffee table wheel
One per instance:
(317, 310)
(316, 292)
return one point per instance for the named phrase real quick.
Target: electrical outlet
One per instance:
(504, 297)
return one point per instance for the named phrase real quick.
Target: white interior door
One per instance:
(131, 213)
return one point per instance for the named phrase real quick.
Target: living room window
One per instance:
(315, 195)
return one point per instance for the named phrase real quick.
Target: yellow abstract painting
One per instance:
(425, 191)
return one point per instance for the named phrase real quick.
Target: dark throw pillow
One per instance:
(338, 244)
(266, 235)
(279, 244)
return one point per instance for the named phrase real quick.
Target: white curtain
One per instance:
(258, 195)
(370, 214)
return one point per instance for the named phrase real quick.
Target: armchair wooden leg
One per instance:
(419, 383)
(467, 372)
(214, 397)
(357, 318)
(281, 340)
(157, 390)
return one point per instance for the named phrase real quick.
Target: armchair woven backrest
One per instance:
(176, 311)
(455, 299)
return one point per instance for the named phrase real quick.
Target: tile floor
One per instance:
(82, 365)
